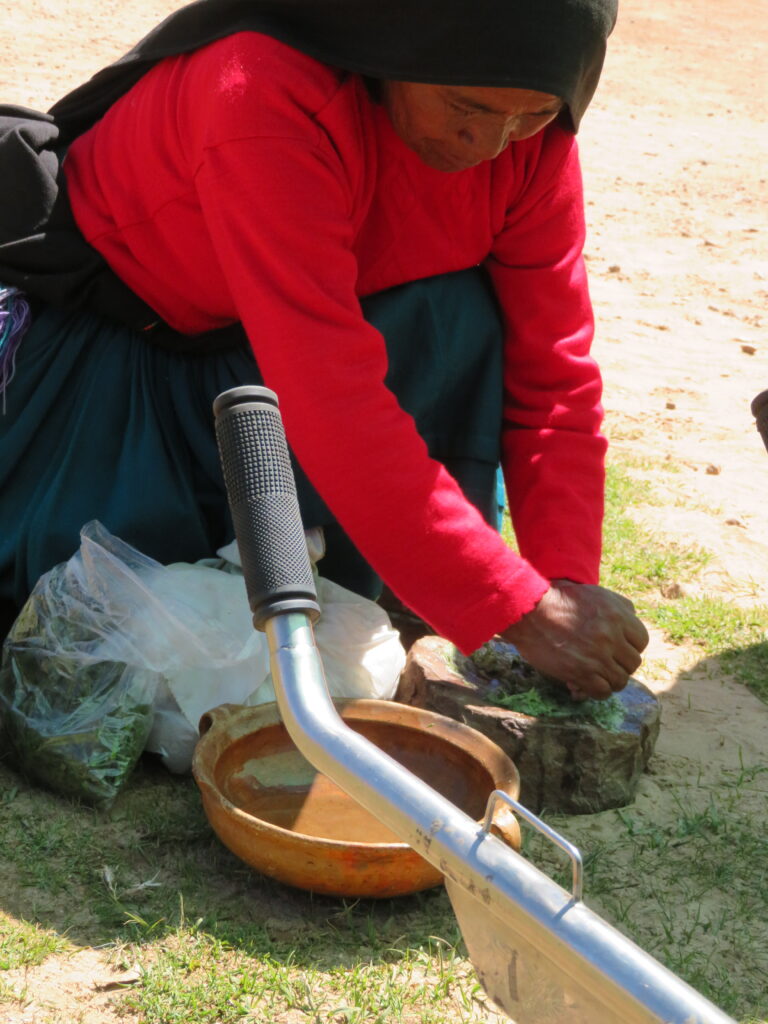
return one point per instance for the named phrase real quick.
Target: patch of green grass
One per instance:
(750, 666)
(622, 489)
(506, 530)
(193, 976)
(133, 879)
(649, 464)
(713, 624)
(635, 562)
(196, 978)
(692, 889)
(24, 944)
(357, 965)
(736, 635)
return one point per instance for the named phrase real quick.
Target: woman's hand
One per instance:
(586, 636)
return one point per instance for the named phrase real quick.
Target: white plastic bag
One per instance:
(361, 653)
(233, 662)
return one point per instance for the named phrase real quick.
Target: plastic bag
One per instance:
(361, 653)
(114, 653)
(83, 663)
(75, 704)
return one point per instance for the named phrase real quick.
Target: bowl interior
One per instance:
(263, 774)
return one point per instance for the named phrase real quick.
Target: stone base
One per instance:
(573, 766)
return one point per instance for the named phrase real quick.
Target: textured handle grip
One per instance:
(262, 498)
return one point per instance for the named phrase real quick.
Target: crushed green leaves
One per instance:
(517, 686)
(70, 718)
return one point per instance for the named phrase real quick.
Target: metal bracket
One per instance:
(577, 863)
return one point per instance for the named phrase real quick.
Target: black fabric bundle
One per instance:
(553, 46)
(41, 250)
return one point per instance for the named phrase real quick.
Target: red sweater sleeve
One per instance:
(280, 213)
(553, 452)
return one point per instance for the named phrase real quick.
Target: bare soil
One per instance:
(675, 155)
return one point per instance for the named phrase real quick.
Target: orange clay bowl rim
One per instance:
(446, 728)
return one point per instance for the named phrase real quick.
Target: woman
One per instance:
(331, 176)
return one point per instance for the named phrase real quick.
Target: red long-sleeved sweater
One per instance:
(249, 182)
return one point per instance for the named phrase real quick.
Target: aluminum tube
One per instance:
(634, 987)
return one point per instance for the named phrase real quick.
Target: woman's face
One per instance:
(453, 127)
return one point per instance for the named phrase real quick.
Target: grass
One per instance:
(638, 564)
(194, 976)
(736, 635)
(663, 883)
(23, 944)
(635, 562)
(210, 942)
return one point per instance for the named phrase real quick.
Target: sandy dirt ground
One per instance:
(675, 155)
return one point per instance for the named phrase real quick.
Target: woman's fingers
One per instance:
(628, 658)
(586, 636)
(636, 634)
(599, 686)
(576, 692)
(597, 689)
(608, 680)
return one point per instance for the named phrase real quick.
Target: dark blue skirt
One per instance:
(100, 424)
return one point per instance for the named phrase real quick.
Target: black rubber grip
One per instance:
(760, 412)
(262, 498)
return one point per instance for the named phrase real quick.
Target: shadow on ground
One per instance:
(152, 864)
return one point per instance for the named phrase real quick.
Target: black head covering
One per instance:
(553, 46)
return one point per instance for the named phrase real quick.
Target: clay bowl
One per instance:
(274, 811)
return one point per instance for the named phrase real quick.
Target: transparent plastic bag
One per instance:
(83, 663)
(76, 708)
(115, 653)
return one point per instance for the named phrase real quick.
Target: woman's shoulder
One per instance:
(249, 68)
(548, 150)
(536, 163)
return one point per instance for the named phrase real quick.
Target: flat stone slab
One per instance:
(575, 764)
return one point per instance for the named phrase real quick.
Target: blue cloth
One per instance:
(99, 424)
(501, 498)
